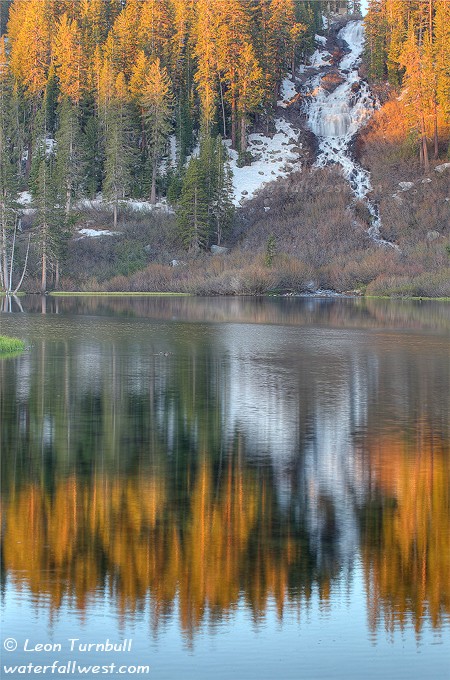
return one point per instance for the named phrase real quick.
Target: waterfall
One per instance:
(335, 117)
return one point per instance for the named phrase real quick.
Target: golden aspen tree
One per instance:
(124, 34)
(155, 29)
(442, 51)
(68, 58)
(106, 77)
(233, 31)
(416, 92)
(205, 53)
(29, 36)
(93, 33)
(396, 15)
(250, 89)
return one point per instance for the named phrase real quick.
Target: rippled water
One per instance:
(241, 488)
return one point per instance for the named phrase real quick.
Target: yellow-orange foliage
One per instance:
(408, 569)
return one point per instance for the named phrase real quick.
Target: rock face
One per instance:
(219, 250)
(405, 186)
(432, 235)
(443, 167)
(332, 80)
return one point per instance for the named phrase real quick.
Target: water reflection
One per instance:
(335, 312)
(211, 465)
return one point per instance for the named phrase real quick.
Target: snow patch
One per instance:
(127, 204)
(25, 198)
(94, 233)
(319, 58)
(288, 92)
(273, 155)
(320, 39)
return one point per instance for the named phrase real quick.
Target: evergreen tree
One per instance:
(375, 48)
(157, 106)
(70, 155)
(442, 51)
(93, 158)
(119, 147)
(49, 217)
(208, 184)
(192, 214)
(250, 89)
(68, 58)
(9, 151)
(222, 209)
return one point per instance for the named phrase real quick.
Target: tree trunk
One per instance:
(115, 214)
(57, 274)
(233, 123)
(243, 135)
(153, 192)
(436, 133)
(44, 269)
(224, 122)
(426, 161)
(4, 256)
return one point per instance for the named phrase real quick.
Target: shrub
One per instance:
(9, 345)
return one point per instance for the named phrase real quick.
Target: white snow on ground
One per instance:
(138, 206)
(145, 206)
(173, 151)
(288, 91)
(25, 198)
(320, 39)
(274, 158)
(319, 58)
(50, 145)
(92, 233)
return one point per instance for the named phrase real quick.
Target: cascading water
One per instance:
(335, 117)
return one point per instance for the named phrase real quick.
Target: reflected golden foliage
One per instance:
(406, 549)
(130, 536)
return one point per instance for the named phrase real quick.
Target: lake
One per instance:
(232, 488)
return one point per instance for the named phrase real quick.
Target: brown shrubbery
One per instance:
(297, 234)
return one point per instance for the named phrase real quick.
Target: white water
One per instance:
(335, 117)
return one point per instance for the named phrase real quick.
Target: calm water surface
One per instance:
(245, 489)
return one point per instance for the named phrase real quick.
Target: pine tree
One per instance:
(9, 153)
(157, 106)
(416, 91)
(442, 46)
(250, 89)
(119, 147)
(50, 229)
(206, 72)
(222, 209)
(375, 49)
(93, 157)
(29, 36)
(68, 58)
(233, 32)
(192, 214)
(70, 154)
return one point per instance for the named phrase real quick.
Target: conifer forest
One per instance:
(151, 100)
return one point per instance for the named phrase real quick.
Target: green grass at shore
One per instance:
(9, 345)
(113, 294)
